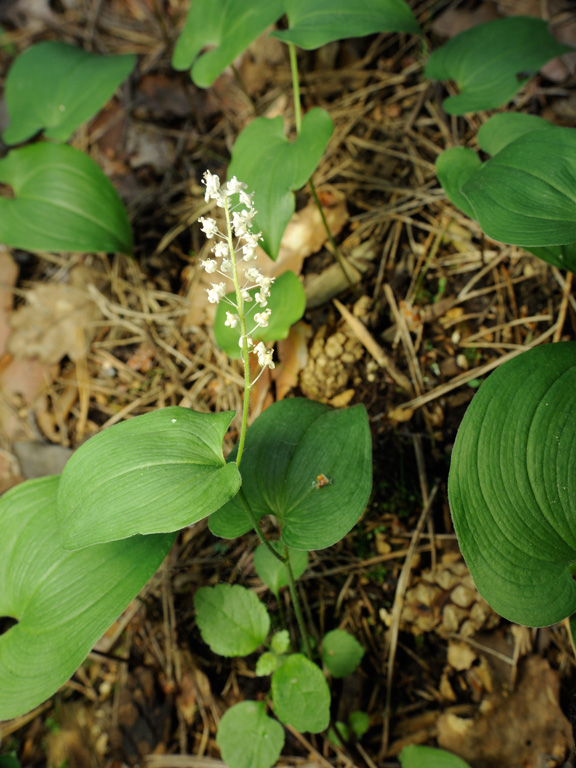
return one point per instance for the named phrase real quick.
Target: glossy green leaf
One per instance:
(225, 28)
(525, 195)
(512, 488)
(504, 128)
(63, 601)
(301, 695)
(248, 738)
(272, 572)
(273, 168)
(428, 757)
(267, 663)
(311, 25)
(341, 653)
(287, 301)
(151, 474)
(55, 87)
(231, 619)
(62, 202)
(359, 723)
(290, 445)
(492, 61)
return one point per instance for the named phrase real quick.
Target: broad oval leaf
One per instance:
(455, 167)
(55, 87)
(512, 489)
(492, 61)
(526, 194)
(273, 168)
(504, 128)
(248, 738)
(226, 28)
(341, 653)
(287, 302)
(274, 573)
(63, 601)
(152, 474)
(415, 756)
(311, 25)
(288, 448)
(62, 202)
(232, 620)
(301, 695)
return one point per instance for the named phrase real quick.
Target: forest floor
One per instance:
(434, 307)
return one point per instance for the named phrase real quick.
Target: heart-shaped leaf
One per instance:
(301, 695)
(312, 25)
(63, 601)
(491, 62)
(287, 302)
(62, 202)
(55, 87)
(273, 168)
(231, 619)
(152, 474)
(249, 738)
(226, 28)
(525, 195)
(310, 467)
(512, 490)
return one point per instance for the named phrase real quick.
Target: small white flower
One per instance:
(210, 265)
(263, 317)
(265, 282)
(246, 296)
(212, 183)
(209, 227)
(226, 266)
(217, 292)
(262, 297)
(220, 250)
(231, 320)
(246, 199)
(235, 187)
(248, 341)
(264, 355)
(253, 275)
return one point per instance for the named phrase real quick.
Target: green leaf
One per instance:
(62, 202)
(225, 28)
(287, 301)
(55, 87)
(267, 663)
(512, 489)
(273, 168)
(429, 757)
(506, 127)
(248, 738)
(231, 619)
(312, 25)
(341, 653)
(63, 601)
(359, 723)
(492, 61)
(526, 194)
(152, 474)
(301, 695)
(274, 573)
(561, 256)
(280, 642)
(455, 167)
(287, 448)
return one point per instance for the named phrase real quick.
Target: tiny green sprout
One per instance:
(280, 642)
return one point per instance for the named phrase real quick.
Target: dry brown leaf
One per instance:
(518, 731)
(21, 382)
(58, 320)
(8, 275)
(292, 354)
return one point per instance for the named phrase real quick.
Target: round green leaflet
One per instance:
(512, 488)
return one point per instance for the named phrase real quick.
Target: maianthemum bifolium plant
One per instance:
(76, 549)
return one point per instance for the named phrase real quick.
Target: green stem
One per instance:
(254, 522)
(296, 604)
(245, 350)
(298, 121)
(295, 87)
